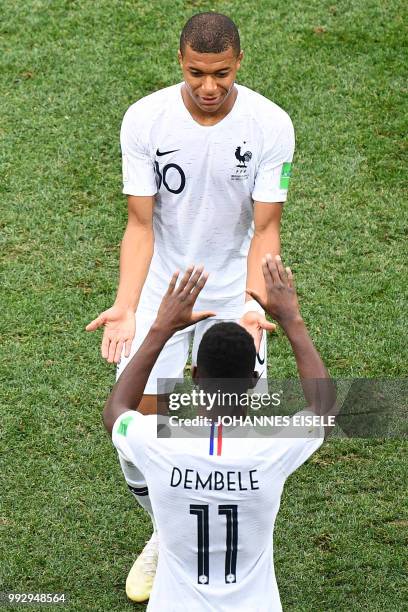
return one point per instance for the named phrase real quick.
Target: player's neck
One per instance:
(208, 119)
(215, 412)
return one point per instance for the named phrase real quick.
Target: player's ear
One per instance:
(180, 58)
(194, 372)
(253, 381)
(239, 59)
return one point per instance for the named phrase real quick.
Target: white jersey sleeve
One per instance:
(272, 178)
(137, 165)
(304, 441)
(130, 435)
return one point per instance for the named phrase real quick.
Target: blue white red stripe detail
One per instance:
(219, 439)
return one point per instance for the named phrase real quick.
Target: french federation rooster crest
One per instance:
(245, 158)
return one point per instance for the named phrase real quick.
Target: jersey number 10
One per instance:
(161, 176)
(203, 537)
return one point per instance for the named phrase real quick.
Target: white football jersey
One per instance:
(215, 504)
(205, 179)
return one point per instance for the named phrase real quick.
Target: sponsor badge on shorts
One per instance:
(285, 175)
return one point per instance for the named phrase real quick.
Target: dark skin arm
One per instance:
(282, 304)
(175, 313)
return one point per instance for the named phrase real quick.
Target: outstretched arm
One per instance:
(136, 252)
(266, 239)
(282, 304)
(175, 313)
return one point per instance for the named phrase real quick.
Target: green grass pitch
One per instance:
(68, 71)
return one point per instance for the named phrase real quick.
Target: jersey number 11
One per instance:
(203, 537)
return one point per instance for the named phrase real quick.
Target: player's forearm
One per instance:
(135, 256)
(317, 386)
(308, 360)
(261, 244)
(128, 391)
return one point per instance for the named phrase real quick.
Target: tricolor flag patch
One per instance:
(124, 424)
(285, 175)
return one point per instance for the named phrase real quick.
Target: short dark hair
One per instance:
(210, 33)
(227, 351)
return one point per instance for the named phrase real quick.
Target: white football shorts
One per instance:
(173, 358)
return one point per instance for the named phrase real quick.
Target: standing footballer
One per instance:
(206, 165)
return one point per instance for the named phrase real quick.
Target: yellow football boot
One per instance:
(139, 582)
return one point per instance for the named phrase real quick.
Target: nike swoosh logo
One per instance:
(261, 361)
(160, 153)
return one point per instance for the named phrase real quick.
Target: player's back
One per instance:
(215, 514)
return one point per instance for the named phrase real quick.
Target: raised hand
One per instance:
(281, 299)
(176, 308)
(119, 324)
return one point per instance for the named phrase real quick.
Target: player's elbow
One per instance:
(107, 421)
(108, 415)
(267, 230)
(143, 229)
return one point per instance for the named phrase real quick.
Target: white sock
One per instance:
(137, 485)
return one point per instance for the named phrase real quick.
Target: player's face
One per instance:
(209, 77)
